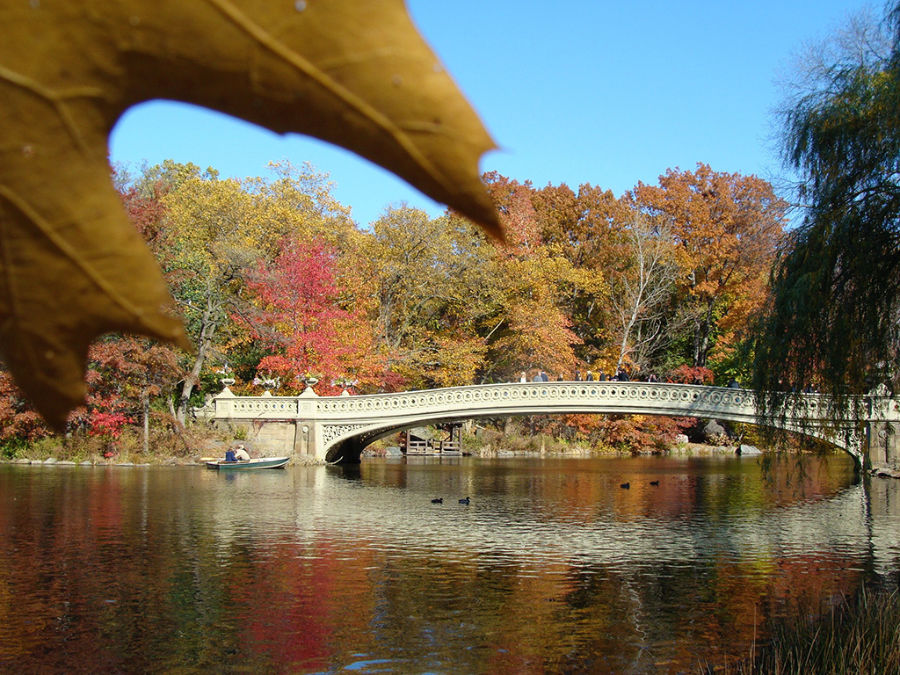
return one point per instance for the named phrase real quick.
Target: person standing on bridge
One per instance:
(523, 377)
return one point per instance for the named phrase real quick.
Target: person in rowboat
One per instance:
(241, 454)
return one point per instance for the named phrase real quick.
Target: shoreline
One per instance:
(135, 459)
(299, 460)
(303, 460)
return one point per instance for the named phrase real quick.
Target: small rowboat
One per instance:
(248, 464)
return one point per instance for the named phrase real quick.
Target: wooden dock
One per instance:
(449, 445)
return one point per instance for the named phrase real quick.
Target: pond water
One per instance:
(552, 566)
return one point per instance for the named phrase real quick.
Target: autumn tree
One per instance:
(361, 77)
(532, 330)
(642, 280)
(726, 228)
(300, 320)
(124, 374)
(19, 421)
(207, 254)
(435, 296)
(212, 234)
(584, 227)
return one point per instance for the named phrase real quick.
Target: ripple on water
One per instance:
(551, 567)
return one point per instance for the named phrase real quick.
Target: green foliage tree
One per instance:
(833, 320)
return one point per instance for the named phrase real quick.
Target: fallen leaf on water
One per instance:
(71, 267)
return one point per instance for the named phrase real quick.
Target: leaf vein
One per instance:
(265, 39)
(69, 252)
(56, 99)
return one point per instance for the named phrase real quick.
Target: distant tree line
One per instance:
(277, 284)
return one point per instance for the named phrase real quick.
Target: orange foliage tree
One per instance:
(533, 328)
(726, 228)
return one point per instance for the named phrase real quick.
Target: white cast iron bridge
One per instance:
(338, 428)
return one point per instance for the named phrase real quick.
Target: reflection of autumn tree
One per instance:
(141, 571)
(430, 600)
(291, 605)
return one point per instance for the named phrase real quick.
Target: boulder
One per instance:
(744, 450)
(713, 430)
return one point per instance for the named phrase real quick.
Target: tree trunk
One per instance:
(207, 332)
(146, 404)
(701, 336)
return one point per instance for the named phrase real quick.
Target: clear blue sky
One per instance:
(578, 91)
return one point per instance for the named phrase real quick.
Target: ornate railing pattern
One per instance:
(264, 406)
(636, 396)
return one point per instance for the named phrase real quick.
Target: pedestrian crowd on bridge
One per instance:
(621, 375)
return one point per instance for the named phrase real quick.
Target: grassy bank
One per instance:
(859, 635)
(190, 445)
(165, 446)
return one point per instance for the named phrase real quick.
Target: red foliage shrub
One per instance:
(18, 420)
(692, 375)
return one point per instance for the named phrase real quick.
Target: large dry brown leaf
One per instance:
(71, 267)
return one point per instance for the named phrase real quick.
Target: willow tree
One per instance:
(833, 316)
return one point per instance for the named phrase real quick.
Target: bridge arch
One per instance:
(354, 422)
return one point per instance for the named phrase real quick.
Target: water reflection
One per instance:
(552, 566)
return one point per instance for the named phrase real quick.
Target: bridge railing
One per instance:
(635, 397)
(625, 397)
